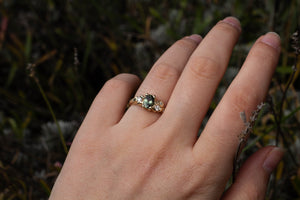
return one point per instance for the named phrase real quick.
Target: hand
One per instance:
(137, 154)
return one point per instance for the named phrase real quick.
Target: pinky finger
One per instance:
(109, 105)
(252, 179)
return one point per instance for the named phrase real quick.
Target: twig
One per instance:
(278, 118)
(283, 99)
(280, 132)
(243, 137)
(30, 67)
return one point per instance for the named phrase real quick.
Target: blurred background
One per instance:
(55, 56)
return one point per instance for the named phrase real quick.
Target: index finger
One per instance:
(249, 88)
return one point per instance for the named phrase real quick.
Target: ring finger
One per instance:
(162, 78)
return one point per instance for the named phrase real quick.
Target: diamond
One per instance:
(139, 99)
(160, 103)
(157, 108)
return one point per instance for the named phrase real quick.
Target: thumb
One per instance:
(251, 181)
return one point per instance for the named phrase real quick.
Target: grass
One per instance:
(76, 46)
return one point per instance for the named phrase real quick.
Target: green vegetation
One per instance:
(56, 54)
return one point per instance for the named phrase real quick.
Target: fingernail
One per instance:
(233, 22)
(197, 38)
(272, 159)
(272, 39)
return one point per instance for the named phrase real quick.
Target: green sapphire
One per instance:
(148, 101)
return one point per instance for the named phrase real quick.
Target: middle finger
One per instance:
(195, 88)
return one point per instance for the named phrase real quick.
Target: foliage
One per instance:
(76, 46)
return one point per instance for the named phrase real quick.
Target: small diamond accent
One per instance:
(139, 99)
(157, 108)
(160, 103)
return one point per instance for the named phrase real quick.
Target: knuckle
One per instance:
(186, 43)
(120, 81)
(113, 84)
(262, 52)
(225, 27)
(244, 99)
(205, 68)
(165, 71)
(126, 76)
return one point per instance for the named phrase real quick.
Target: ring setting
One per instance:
(149, 102)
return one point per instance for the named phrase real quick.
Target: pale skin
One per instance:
(137, 154)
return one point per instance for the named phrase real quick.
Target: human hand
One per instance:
(137, 154)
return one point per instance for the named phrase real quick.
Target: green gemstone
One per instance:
(148, 101)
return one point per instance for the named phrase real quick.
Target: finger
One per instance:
(252, 179)
(109, 105)
(200, 78)
(162, 78)
(249, 88)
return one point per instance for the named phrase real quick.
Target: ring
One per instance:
(149, 102)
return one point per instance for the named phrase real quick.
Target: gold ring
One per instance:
(149, 102)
